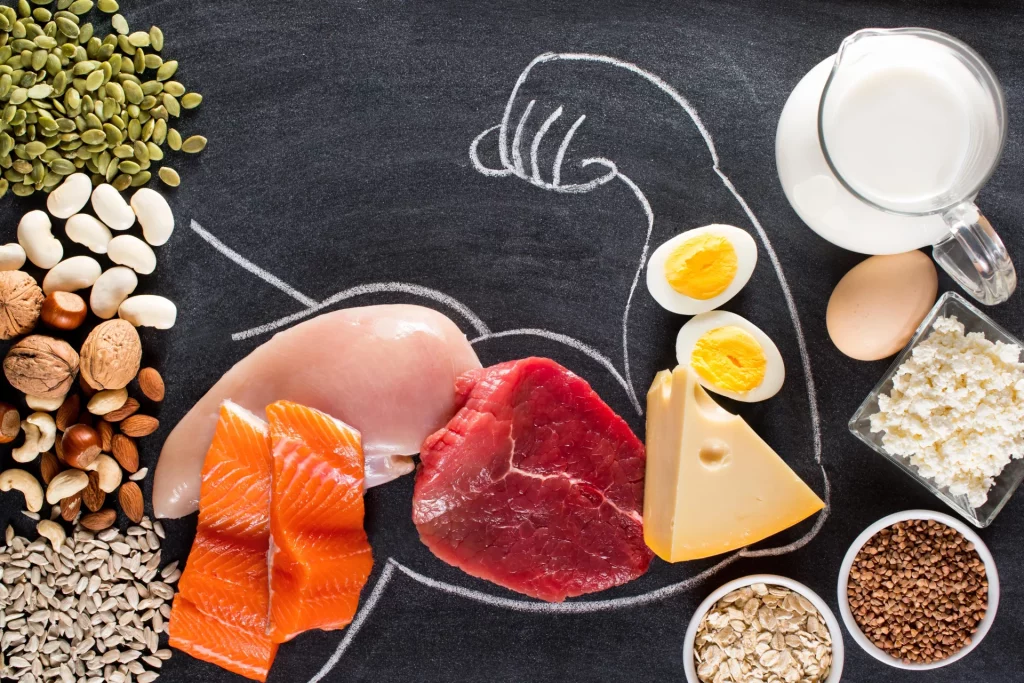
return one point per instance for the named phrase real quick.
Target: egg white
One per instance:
(670, 299)
(698, 326)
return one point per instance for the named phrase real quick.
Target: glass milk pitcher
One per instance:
(910, 123)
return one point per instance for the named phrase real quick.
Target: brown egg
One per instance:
(877, 306)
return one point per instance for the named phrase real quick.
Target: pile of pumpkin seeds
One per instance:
(73, 102)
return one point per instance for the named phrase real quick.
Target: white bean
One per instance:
(12, 256)
(128, 250)
(70, 275)
(110, 289)
(70, 196)
(148, 310)
(89, 232)
(111, 207)
(154, 214)
(35, 237)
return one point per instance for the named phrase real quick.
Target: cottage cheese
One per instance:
(956, 410)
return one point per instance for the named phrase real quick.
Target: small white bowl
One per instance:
(990, 571)
(772, 580)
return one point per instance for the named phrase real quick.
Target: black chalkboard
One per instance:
(339, 157)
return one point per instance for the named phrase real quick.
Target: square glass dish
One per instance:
(949, 305)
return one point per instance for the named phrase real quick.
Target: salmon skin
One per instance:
(320, 558)
(220, 614)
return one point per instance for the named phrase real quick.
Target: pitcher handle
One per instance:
(974, 256)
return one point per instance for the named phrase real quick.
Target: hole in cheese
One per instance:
(715, 454)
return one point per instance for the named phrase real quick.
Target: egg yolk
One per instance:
(702, 267)
(730, 358)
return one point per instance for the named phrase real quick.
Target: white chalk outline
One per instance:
(515, 166)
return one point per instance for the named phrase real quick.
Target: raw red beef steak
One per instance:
(535, 484)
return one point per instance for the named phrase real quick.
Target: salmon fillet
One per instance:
(220, 614)
(319, 555)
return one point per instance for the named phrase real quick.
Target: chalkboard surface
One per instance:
(340, 163)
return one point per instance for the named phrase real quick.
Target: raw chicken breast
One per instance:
(389, 371)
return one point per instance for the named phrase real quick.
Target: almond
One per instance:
(85, 418)
(93, 496)
(106, 432)
(49, 467)
(10, 423)
(58, 449)
(139, 425)
(128, 409)
(126, 453)
(152, 384)
(69, 507)
(132, 504)
(68, 411)
(98, 521)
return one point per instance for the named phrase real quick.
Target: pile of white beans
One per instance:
(111, 288)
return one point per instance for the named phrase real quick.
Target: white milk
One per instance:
(898, 135)
(900, 126)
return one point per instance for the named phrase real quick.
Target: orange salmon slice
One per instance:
(320, 558)
(220, 614)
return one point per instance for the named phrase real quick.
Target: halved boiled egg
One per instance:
(701, 269)
(731, 356)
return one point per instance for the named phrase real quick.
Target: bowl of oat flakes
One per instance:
(763, 627)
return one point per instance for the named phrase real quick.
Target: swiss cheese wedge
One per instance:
(713, 485)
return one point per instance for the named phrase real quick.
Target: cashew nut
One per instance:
(111, 289)
(46, 405)
(65, 485)
(20, 480)
(53, 532)
(47, 429)
(148, 310)
(28, 451)
(89, 232)
(12, 256)
(128, 250)
(108, 470)
(77, 272)
(111, 207)
(107, 401)
(35, 237)
(70, 196)
(154, 215)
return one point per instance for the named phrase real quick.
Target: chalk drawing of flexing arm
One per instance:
(513, 163)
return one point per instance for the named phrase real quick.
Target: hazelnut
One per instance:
(41, 366)
(111, 355)
(10, 423)
(64, 310)
(20, 303)
(80, 446)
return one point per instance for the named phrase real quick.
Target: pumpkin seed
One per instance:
(155, 153)
(120, 24)
(174, 139)
(174, 88)
(129, 167)
(167, 70)
(121, 182)
(67, 27)
(108, 6)
(35, 148)
(160, 132)
(194, 144)
(40, 91)
(191, 100)
(132, 92)
(139, 39)
(80, 6)
(171, 105)
(153, 61)
(141, 151)
(169, 176)
(62, 167)
(156, 38)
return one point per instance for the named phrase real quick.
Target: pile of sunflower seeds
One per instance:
(763, 633)
(91, 612)
(71, 101)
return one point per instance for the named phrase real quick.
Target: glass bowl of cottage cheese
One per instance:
(949, 410)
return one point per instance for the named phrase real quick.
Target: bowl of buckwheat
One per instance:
(918, 590)
(763, 627)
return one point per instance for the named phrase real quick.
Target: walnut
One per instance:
(21, 301)
(41, 366)
(111, 355)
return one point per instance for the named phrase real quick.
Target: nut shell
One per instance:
(21, 301)
(111, 355)
(41, 366)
